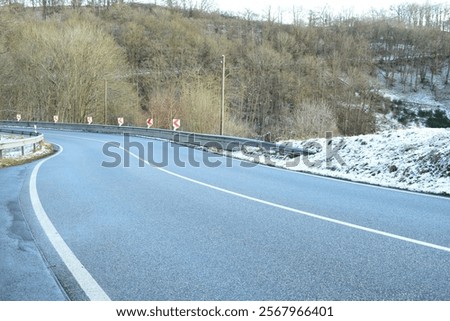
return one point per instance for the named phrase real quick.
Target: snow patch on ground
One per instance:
(418, 98)
(416, 159)
(404, 100)
(16, 153)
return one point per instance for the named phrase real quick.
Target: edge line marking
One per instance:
(85, 280)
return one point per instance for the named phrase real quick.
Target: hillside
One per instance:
(331, 73)
(416, 159)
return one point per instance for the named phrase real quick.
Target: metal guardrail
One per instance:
(227, 143)
(34, 139)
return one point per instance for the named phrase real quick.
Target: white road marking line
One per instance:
(304, 173)
(93, 289)
(290, 209)
(360, 183)
(79, 272)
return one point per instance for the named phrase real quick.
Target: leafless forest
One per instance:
(322, 72)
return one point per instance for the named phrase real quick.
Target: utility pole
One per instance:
(106, 101)
(222, 102)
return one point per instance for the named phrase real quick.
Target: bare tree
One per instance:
(59, 69)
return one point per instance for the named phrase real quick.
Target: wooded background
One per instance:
(321, 72)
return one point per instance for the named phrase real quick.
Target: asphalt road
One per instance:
(204, 227)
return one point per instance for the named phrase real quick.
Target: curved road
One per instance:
(205, 227)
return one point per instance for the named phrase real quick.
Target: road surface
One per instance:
(189, 225)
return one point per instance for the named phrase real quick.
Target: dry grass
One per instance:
(234, 126)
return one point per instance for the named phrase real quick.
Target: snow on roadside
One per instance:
(415, 159)
(16, 153)
(12, 153)
(9, 137)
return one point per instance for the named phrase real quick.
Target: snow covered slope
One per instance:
(415, 159)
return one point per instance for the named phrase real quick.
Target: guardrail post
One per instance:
(22, 142)
(179, 137)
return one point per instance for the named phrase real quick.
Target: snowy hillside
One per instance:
(409, 107)
(413, 159)
(403, 154)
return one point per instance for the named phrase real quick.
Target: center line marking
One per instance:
(93, 289)
(290, 209)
